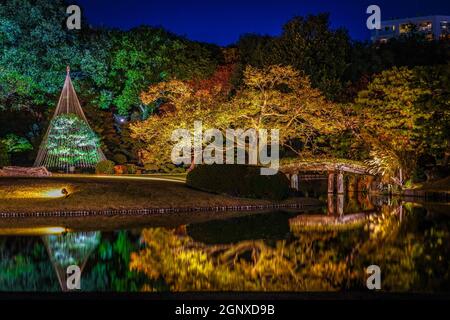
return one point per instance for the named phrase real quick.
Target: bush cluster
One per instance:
(105, 167)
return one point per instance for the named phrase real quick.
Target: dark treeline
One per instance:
(336, 64)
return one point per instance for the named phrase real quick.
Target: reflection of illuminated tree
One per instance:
(186, 265)
(391, 248)
(27, 269)
(110, 271)
(70, 249)
(410, 258)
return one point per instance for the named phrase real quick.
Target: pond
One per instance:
(325, 249)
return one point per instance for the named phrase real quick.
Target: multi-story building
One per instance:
(433, 27)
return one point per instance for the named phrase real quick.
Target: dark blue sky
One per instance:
(222, 22)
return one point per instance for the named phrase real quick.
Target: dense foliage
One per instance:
(36, 47)
(386, 104)
(145, 56)
(109, 68)
(4, 156)
(307, 44)
(405, 116)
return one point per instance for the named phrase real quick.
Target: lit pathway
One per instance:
(149, 177)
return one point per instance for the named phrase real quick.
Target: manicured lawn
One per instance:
(103, 192)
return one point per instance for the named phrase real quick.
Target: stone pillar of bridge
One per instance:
(331, 182)
(352, 184)
(340, 182)
(370, 181)
(340, 205)
(330, 204)
(294, 181)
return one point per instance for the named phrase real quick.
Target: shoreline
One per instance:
(154, 211)
(94, 196)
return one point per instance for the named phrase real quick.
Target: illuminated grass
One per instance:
(112, 193)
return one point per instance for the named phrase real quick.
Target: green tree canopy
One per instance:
(36, 47)
(405, 113)
(147, 55)
(15, 144)
(309, 45)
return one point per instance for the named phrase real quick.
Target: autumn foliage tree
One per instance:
(276, 97)
(404, 115)
(280, 97)
(180, 105)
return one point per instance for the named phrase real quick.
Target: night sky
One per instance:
(222, 22)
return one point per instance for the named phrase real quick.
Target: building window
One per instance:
(425, 26)
(445, 26)
(406, 27)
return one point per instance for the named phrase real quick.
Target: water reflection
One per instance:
(277, 251)
(411, 250)
(70, 249)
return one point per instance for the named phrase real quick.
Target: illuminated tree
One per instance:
(145, 56)
(71, 142)
(403, 115)
(16, 144)
(282, 98)
(179, 106)
(276, 97)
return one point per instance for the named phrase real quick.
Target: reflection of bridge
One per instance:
(307, 222)
(351, 178)
(340, 216)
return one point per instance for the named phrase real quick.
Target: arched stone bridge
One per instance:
(359, 176)
(343, 177)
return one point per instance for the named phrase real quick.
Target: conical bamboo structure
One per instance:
(68, 104)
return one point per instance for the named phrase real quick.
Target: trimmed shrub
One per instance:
(239, 181)
(105, 167)
(120, 158)
(4, 156)
(151, 167)
(132, 168)
(168, 168)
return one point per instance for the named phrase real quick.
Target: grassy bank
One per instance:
(110, 193)
(437, 190)
(441, 185)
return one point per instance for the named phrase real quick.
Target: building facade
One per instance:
(433, 27)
